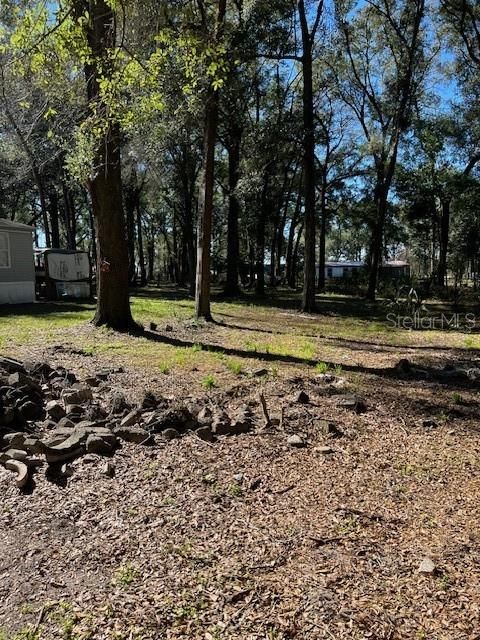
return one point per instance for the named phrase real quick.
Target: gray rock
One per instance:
(17, 379)
(175, 417)
(15, 454)
(119, 402)
(427, 567)
(65, 423)
(324, 450)
(295, 441)
(74, 445)
(33, 445)
(66, 470)
(204, 433)
(30, 411)
(170, 434)
(92, 381)
(98, 445)
(205, 416)
(353, 403)
(14, 440)
(258, 373)
(108, 469)
(21, 469)
(48, 425)
(328, 378)
(74, 410)
(77, 395)
(301, 397)
(55, 410)
(327, 428)
(132, 433)
(130, 419)
(7, 417)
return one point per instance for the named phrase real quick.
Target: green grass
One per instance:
(292, 338)
(209, 382)
(235, 367)
(321, 367)
(125, 575)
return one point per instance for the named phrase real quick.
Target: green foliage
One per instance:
(209, 382)
(126, 575)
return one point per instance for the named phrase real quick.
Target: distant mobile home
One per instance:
(348, 268)
(17, 271)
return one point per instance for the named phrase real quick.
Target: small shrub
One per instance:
(164, 368)
(209, 382)
(457, 398)
(235, 367)
(125, 575)
(322, 367)
(235, 490)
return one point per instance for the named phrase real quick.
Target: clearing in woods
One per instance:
(249, 537)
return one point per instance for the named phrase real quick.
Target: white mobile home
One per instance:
(17, 271)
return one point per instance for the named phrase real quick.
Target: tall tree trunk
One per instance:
(323, 233)
(233, 244)
(54, 218)
(376, 241)
(69, 216)
(308, 296)
(260, 228)
(293, 277)
(113, 305)
(93, 236)
(204, 235)
(130, 198)
(205, 216)
(141, 253)
(444, 233)
(290, 260)
(260, 255)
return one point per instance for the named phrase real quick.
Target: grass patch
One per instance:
(126, 575)
(235, 367)
(209, 382)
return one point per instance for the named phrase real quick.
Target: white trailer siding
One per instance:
(17, 270)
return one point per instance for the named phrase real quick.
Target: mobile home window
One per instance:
(4, 250)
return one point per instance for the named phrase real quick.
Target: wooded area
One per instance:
(239, 319)
(243, 142)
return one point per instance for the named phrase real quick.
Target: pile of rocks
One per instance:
(49, 417)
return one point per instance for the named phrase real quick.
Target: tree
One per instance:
(204, 236)
(381, 81)
(105, 185)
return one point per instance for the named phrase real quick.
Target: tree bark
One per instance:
(113, 305)
(323, 242)
(233, 245)
(308, 296)
(130, 197)
(204, 238)
(54, 219)
(444, 233)
(290, 260)
(69, 216)
(376, 241)
(141, 253)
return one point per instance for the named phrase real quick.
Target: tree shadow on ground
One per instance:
(45, 308)
(426, 373)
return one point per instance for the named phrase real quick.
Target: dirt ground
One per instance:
(249, 538)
